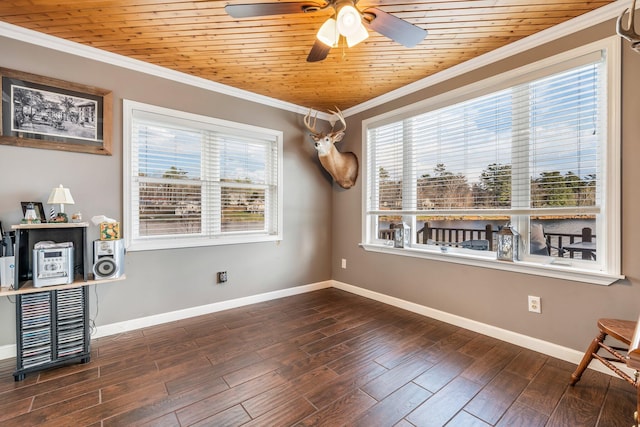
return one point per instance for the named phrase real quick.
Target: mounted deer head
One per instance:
(630, 32)
(343, 167)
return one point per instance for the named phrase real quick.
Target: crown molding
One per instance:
(589, 19)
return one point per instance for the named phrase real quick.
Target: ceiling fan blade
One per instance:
(393, 27)
(318, 52)
(265, 9)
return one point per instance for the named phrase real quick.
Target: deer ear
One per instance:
(338, 137)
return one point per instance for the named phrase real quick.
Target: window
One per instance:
(192, 180)
(537, 148)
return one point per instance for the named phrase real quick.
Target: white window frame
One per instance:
(137, 243)
(609, 270)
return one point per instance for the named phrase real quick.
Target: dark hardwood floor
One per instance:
(323, 358)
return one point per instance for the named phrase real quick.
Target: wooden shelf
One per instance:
(46, 225)
(28, 287)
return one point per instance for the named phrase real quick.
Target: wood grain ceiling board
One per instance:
(268, 55)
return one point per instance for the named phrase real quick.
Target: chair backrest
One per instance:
(633, 355)
(537, 240)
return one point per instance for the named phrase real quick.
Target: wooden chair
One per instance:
(626, 332)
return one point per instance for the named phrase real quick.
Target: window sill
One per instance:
(151, 244)
(488, 260)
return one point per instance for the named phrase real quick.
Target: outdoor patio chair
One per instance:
(539, 242)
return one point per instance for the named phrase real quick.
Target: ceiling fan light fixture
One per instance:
(349, 20)
(357, 37)
(328, 33)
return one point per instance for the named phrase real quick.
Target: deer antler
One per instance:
(630, 32)
(340, 116)
(309, 126)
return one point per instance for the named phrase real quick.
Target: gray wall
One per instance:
(167, 280)
(499, 298)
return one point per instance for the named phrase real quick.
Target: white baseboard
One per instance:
(535, 344)
(7, 351)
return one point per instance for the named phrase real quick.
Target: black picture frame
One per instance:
(39, 210)
(42, 112)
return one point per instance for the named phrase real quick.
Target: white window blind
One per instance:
(529, 147)
(194, 180)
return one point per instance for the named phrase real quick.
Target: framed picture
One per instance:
(40, 215)
(42, 112)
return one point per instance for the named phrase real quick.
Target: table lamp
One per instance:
(62, 196)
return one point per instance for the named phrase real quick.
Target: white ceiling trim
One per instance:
(585, 21)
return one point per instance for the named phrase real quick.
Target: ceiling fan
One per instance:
(347, 21)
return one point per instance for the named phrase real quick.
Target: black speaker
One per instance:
(108, 259)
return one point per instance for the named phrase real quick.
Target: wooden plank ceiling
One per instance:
(268, 55)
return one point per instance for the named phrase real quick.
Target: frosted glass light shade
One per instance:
(328, 33)
(349, 20)
(358, 36)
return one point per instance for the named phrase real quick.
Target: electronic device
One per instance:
(52, 263)
(108, 259)
(7, 271)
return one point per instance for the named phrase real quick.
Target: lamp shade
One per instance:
(60, 195)
(328, 33)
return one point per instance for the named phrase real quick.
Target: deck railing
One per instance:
(446, 236)
(459, 237)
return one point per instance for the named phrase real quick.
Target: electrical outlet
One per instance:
(222, 277)
(534, 304)
(344, 263)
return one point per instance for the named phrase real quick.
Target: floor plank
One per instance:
(493, 400)
(321, 358)
(445, 404)
(394, 407)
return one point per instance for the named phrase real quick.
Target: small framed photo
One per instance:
(39, 209)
